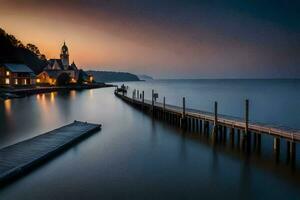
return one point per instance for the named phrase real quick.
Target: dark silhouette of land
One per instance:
(108, 76)
(13, 50)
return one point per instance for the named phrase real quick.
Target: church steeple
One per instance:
(64, 56)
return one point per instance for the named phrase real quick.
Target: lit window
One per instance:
(7, 81)
(16, 81)
(25, 82)
(7, 73)
(38, 80)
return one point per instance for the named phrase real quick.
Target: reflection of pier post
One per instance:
(291, 152)
(276, 147)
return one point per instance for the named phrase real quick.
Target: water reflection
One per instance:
(135, 154)
(52, 98)
(73, 94)
(7, 106)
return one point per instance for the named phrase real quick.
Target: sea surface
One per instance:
(137, 157)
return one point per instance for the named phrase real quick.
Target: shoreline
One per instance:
(12, 93)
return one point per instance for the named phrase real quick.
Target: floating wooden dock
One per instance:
(17, 159)
(247, 133)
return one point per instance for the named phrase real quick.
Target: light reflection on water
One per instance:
(133, 157)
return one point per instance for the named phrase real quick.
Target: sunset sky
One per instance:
(165, 38)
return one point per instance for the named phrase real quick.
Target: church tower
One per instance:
(64, 56)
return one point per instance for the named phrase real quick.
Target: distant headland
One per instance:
(110, 76)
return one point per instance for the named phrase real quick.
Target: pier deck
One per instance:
(19, 158)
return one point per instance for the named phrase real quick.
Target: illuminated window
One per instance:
(25, 82)
(7, 81)
(38, 80)
(16, 81)
(7, 73)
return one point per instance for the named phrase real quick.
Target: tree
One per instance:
(43, 57)
(14, 41)
(34, 49)
(80, 77)
(63, 79)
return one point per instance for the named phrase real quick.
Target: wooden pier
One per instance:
(241, 131)
(17, 159)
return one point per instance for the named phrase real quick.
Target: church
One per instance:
(56, 67)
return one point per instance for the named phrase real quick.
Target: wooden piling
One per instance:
(215, 128)
(246, 116)
(152, 102)
(224, 134)
(183, 118)
(276, 144)
(258, 143)
(231, 136)
(291, 152)
(200, 126)
(143, 99)
(238, 137)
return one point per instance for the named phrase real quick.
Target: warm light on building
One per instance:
(25, 82)
(16, 81)
(7, 73)
(73, 80)
(91, 78)
(38, 80)
(7, 81)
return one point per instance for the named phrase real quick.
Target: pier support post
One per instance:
(206, 127)
(224, 134)
(197, 125)
(183, 117)
(200, 126)
(291, 152)
(193, 124)
(276, 147)
(215, 128)
(152, 102)
(164, 108)
(238, 137)
(143, 99)
(231, 136)
(254, 140)
(276, 144)
(246, 116)
(247, 134)
(258, 143)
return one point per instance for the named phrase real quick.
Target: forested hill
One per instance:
(14, 51)
(107, 76)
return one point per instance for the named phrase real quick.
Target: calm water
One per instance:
(135, 157)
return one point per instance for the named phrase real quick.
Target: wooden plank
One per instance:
(21, 157)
